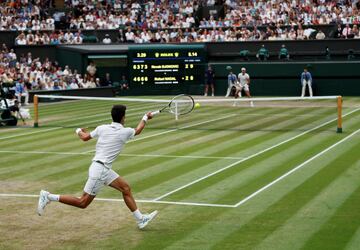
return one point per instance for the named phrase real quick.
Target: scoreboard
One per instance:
(166, 66)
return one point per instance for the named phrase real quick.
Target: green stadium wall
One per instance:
(283, 78)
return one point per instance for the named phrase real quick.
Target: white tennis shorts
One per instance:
(99, 176)
(242, 86)
(245, 87)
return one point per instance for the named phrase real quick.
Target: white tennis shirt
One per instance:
(243, 78)
(111, 140)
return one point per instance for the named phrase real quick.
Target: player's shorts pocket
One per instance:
(97, 171)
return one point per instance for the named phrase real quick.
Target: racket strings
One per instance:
(181, 105)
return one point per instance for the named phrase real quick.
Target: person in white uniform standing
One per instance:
(244, 80)
(110, 141)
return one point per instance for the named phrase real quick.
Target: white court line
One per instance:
(294, 169)
(173, 130)
(139, 201)
(249, 157)
(31, 133)
(131, 155)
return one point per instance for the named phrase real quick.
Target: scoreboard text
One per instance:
(166, 65)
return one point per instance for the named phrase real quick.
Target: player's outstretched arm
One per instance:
(83, 134)
(142, 123)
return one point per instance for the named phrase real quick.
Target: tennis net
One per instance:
(272, 113)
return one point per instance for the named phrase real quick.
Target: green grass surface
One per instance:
(217, 168)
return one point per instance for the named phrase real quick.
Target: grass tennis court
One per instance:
(222, 177)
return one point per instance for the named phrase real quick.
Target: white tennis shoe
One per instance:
(146, 219)
(43, 201)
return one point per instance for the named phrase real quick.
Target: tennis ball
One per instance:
(197, 105)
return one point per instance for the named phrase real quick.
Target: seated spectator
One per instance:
(320, 35)
(56, 85)
(89, 83)
(124, 84)
(347, 32)
(20, 39)
(107, 39)
(21, 91)
(129, 36)
(106, 81)
(73, 84)
(308, 32)
(355, 31)
(283, 53)
(338, 32)
(263, 53)
(91, 69)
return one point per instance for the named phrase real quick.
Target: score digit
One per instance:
(142, 54)
(192, 53)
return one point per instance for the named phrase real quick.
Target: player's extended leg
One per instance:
(141, 219)
(80, 202)
(121, 185)
(45, 198)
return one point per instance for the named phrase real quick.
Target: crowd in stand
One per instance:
(28, 73)
(176, 21)
(53, 38)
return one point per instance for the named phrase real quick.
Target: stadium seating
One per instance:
(192, 21)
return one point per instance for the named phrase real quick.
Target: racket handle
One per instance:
(155, 112)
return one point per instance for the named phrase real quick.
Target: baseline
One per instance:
(139, 201)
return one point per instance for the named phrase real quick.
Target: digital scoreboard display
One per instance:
(166, 65)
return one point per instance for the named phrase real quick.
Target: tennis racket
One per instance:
(179, 105)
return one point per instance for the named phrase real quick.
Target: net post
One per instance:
(176, 111)
(36, 111)
(339, 110)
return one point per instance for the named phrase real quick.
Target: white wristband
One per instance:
(145, 118)
(78, 130)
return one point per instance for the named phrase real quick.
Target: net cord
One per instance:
(338, 98)
(196, 100)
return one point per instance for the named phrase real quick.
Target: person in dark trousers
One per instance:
(210, 81)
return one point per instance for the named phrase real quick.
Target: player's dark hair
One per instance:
(118, 112)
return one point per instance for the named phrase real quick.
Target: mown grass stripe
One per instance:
(252, 156)
(259, 171)
(340, 228)
(323, 206)
(354, 242)
(233, 220)
(189, 147)
(277, 214)
(178, 171)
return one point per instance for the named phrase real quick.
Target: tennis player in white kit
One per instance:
(111, 139)
(244, 82)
